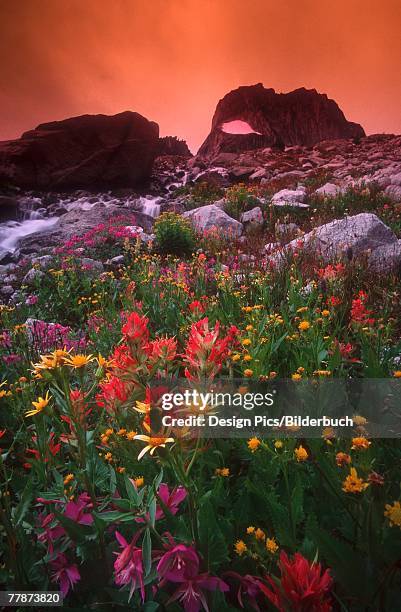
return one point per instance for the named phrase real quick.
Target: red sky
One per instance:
(172, 60)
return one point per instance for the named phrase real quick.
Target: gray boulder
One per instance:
(359, 235)
(328, 190)
(253, 216)
(290, 197)
(212, 217)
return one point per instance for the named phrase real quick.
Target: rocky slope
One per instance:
(300, 117)
(300, 177)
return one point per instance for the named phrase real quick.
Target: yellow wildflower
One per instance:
(240, 547)
(260, 534)
(301, 453)
(39, 405)
(253, 444)
(271, 545)
(68, 478)
(304, 325)
(78, 361)
(248, 373)
(152, 443)
(360, 443)
(393, 513)
(250, 529)
(354, 484)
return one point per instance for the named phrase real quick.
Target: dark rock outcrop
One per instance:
(171, 145)
(8, 208)
(82, 152)
(300, 117)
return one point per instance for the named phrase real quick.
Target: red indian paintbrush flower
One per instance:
(205, 351)
(161, 350)
(135, 329)
(303, 587)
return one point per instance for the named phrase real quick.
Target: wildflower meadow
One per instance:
(97, 505)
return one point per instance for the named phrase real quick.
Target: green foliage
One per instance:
(174, 235)
(238, 199)
(203, 192)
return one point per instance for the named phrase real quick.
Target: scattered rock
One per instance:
(328, 190)
(7, 290)
(212, 217)
(394, 192)
(356, 236)
(290, 197)
(31, 276)
(253, 216)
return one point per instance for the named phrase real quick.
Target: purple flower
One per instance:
(52, 530)
(31, 300)
(76, 510)
(170, 500)
(64, 573)
(178, 563)
(190, 592)
(249, 586)
(181, 566)
(128, 566)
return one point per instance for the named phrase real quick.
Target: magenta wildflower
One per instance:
(128, 566)
(177, 563)
(169, 500)
(64, 573)
(77, 511)
(181, 566)
(248, 588)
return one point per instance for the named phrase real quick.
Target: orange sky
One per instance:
(172, 60)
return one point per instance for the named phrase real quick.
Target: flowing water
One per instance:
(11, 232)
(150, 206)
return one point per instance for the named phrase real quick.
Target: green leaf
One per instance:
(24, 503)
(348, 565)
(132, 491)
(147, 551)
(150, 606)
(212, 541)
(114, 516)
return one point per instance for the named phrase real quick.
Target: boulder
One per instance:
(211, 217)
(290, 197)
(362, 235)
(253, 216)
(77, 222)
(394, 192)
(300, 117)
(328, 190)
(82, 152)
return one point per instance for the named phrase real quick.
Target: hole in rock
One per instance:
(238, 127)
